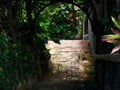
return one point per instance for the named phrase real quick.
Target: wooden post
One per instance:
(118, 3)
(108, 57)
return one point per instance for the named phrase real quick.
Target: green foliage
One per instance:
(116, 23)
(15, 62)
(115, 37)
(79, 1)
(21, 13)
(60, 21)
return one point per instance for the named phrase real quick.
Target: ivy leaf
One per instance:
(62, 6)
(1, 69)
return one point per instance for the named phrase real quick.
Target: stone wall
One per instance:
(70, 59)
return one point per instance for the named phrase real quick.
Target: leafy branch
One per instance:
(115, 37)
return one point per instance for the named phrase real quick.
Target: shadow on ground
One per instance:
(64, 85)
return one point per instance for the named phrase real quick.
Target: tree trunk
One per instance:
(11, 21)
